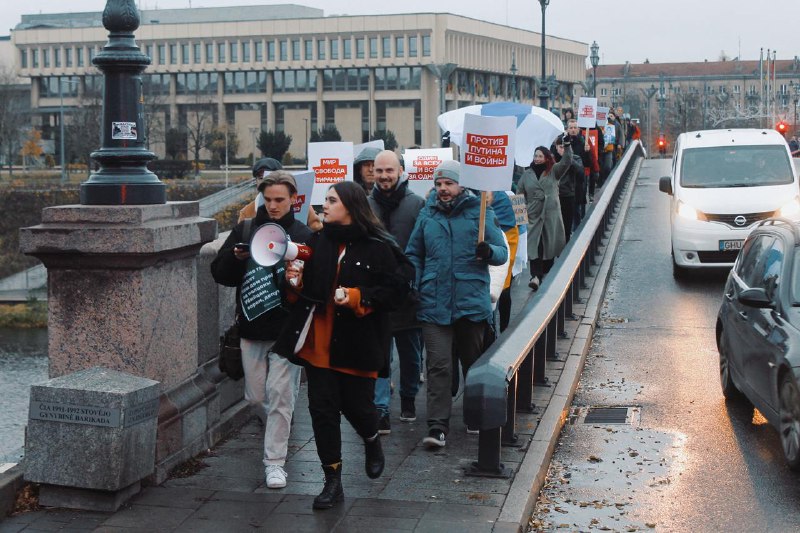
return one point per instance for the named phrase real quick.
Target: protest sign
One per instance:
(487, 154)
(587, 112)
(520, 209)
(331, 162)
(305, 185)
(260, 291)
(420, 165)
(602, 116)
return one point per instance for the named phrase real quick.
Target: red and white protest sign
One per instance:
(305, 184)
(587, 112)
(487, 154)
(331, 162)
(420, 165)
(602, 116)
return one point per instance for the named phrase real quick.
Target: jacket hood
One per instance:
(367, 154)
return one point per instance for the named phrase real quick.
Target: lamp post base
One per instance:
(123, 193)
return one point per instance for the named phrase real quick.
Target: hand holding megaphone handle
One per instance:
(294, 272)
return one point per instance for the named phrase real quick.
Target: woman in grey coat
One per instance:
(546, 236)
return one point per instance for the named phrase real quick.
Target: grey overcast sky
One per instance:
(626, 30)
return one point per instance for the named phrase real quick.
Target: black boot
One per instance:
(332, 492)
(373, 457)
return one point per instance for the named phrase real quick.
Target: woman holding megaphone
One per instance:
(339, 327)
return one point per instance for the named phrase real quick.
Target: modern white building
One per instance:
(290, 68)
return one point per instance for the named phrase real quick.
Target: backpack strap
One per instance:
(247, 230)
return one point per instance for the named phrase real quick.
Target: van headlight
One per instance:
(689, 212)
(792, 209)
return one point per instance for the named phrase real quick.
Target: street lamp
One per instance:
(543, 88)
(796, 87)
(595, 60)
(649, 93)
(513, 76)
(61, 126)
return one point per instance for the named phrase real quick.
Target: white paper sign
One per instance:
(357, 149)
(602, 116)
(420, 165)
(331, 162)
(587, 112)
(487, 153)
(305, 185)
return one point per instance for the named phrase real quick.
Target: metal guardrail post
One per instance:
(509, 432)
(488, 463)
(562, 332)
(539, 358)
(525, 384)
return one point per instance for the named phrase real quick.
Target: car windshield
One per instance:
(740, 166)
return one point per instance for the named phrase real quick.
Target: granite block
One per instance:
(94, 429)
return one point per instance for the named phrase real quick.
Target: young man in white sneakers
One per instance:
(452, 278)
(271, 381)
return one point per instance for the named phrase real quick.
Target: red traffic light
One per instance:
(662, 142)
(782, 127)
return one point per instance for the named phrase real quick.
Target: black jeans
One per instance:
(567, 214)
(331, 394)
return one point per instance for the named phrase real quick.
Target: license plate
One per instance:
(724, 246)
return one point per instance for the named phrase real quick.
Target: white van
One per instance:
(722, 183)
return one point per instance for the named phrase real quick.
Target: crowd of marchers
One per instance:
(392, 272)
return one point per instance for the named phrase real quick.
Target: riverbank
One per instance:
(26, 315)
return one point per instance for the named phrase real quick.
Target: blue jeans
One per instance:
(409, 350)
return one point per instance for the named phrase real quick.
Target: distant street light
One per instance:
(305, 132)
(61, 126)
(595, 60)
(513, 76)
(543, 95)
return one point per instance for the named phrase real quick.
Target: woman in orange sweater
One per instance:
(339, 327)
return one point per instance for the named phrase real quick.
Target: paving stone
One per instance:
(197, 525)
(301, 505)
(387, 508)
(459, 513)
(317, 522)
(370, 524)
(149, 517)
(215, 483)
(270, 496)
(173, 497)
(447, 526)
(237, 513)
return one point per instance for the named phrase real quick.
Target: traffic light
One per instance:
(662, 142)
(782, 127)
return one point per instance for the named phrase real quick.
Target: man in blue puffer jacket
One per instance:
(452, 277)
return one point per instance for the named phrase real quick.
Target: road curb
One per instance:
(10, 483)
(529, 480)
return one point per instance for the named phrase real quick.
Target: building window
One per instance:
(235, 83)
(67, 57)
(184, 54)
(603, 92)
(92, 53)
(287, 81)
(320, 49)
(373, 47)
(196, 53)
(270, 50)
(173, 54)
(162, 54)
(46, 57)
(386, 44)
(79, 55)
(345, 79)
(398, 78)
(23, 58)
(220, 52)
(360, 48)
(737, 89)
(209, 53)
(412, 46)
(234, 47)
(259, 51)
(346, 48)
(246, 51)
(148, 50)
(296, 50)
(284, 51)
(426, 45)
(334, 48)
(309, 47)
(35, 58)
(399, 49)
(57, 57)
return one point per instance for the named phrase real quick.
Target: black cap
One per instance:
(269, 164)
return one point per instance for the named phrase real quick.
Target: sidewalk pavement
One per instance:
(420, 490)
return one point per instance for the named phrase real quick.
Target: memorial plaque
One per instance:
(136, 414)
(75, 414)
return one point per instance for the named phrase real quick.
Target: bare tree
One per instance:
(199, 122)
(82, 132)
(14, 110)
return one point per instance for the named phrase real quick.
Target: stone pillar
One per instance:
(122, 287)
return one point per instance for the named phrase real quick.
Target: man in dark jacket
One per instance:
(271, 381)
(567, 184)
(397, 207)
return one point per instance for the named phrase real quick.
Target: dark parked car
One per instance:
(758, 329)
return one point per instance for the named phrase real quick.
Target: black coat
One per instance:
(360, 343)
(229, 271)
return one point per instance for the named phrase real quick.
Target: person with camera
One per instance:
(271, 381)
(339, 327)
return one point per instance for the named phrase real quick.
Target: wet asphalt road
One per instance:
(692, 463)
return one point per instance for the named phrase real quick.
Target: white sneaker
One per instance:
(276, 476)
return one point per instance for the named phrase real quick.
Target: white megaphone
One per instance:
(270, 244)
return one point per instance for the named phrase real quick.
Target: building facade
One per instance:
(289, 68)
(670, 98)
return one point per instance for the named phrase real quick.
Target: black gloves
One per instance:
(483, 251)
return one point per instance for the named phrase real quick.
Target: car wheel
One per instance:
(678, 272)
(729, 389)
(789, 411)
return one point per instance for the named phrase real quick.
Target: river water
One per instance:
(23, 361)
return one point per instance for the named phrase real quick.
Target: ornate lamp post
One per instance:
(796, 88)
(514, 76)
(661, 98)
(649, 93)
(543, 94)
(123, 178)
(594, 58)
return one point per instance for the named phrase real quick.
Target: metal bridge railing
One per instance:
(501, 381)
(212, 204)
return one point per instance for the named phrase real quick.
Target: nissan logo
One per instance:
(740, 221)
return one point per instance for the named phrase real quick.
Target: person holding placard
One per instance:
(271, 382)
(452, 278)
(339, 327)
